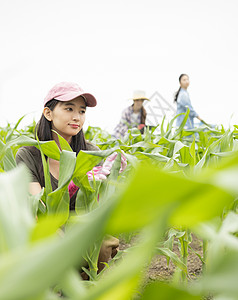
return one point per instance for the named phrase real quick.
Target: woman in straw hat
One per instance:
(64, 112)
(133, 116)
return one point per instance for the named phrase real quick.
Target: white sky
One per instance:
(111, 48)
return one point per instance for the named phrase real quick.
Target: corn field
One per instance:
(176, 183)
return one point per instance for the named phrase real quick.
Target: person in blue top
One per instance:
(183, 103)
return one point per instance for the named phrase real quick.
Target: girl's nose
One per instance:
(76, 117)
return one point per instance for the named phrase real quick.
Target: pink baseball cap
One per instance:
(66, 91)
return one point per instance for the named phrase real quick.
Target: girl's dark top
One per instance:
(31, 157)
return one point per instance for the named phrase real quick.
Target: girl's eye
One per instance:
(82, 111)
(69, 109)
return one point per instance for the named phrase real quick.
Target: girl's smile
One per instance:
(74, 126)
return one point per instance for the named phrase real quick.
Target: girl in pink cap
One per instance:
(64, 112)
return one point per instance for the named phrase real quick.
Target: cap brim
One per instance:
(90, 99)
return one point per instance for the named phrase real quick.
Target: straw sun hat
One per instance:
(139, 95)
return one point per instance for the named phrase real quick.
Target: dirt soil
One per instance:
(159, 270)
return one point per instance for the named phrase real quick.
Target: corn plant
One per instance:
(177, 181)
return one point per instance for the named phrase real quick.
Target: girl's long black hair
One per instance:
(44, 133)
(177, 93)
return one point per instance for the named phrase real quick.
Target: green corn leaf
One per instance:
(46, 226)
(86, 160)
(179, 130)
(32, 269)
(164, 291)
(46, 169)
(49, 148)
(16, 218)
(121, 282)
(174, 258)
(58, 200)
(63, 143)
(9, 162)
(156, 156)
(10, 134)
(149, 192)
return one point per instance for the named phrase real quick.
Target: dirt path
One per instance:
(159, 270)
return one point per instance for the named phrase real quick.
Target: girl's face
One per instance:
(67, 118)
(138, 104)
(184, 82)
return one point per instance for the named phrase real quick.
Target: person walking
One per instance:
(183, 102)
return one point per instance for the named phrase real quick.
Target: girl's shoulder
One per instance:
(128, 110)
(29, 155)
(28, 151)
(183, 95)
(183, 92)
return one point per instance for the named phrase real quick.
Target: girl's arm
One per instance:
(34, 188)
(30, 156)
